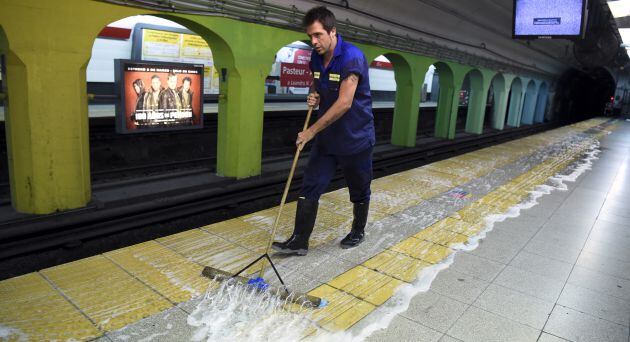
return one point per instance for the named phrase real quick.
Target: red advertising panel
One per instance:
(158, 96)
(295, 75)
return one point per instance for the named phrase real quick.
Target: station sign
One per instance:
(158, 96)
(295, 75)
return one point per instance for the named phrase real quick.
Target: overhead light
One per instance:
(619, 8)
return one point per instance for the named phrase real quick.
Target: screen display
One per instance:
(158, 96)
(548, 18)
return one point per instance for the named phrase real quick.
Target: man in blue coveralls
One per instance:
(342, 136)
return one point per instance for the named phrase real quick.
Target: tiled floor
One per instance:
(559, 271)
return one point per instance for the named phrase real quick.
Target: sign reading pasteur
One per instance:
(158, 96)
(295, 75)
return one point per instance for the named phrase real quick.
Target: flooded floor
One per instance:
(519, 241)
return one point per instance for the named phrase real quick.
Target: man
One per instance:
(186, 94)
(343, 134)
(169, 98)
(152, 98)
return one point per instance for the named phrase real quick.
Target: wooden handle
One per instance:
(286, 192)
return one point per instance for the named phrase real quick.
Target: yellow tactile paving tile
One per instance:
(462, 227)
(230, 228)
(421, 249)
(396, 265)
(209, 250)
(32, 308)
(475, 213)
(343, 309)
(441, 236)
(501, 199)
(366, 284)
(105, 293)
(170, 274)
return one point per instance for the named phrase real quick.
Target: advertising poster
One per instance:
(160, 45)
(157, 96)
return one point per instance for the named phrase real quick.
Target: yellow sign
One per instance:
(334, 77)
(160, 43)
(194, 46)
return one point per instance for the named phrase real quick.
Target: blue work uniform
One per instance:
(349, 141)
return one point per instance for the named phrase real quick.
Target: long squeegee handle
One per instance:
(286, 191)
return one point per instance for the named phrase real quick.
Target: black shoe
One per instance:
(352, 240)
(296, 244)
(304, 223)
(357, 234)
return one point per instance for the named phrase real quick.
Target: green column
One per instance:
(46, 113)
(246, 52)
(499, 109)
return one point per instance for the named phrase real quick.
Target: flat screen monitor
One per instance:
(158, 96)
(548, 19)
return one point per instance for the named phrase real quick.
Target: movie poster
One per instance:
(158, 96)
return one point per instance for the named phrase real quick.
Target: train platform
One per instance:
(521, 241)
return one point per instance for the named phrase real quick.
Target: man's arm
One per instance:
(339, 108)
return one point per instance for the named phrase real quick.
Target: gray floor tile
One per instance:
(542, 265)
(497, 249)
(609, 250)
(447, 338)
(476, 266)
(435, 310)
(596, 304)
(529, 283)
(576, 326)
(524, 226)
(404, 329)
(515, 305)
(544, 337)
(613, 218)
(103, 338)
(479, 325)
(458, 286)
(607, 210)
(169, 325)
(600, 282)
(548, 249)
(605, 265)
(611, 233)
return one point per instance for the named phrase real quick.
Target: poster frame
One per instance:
(120, 90)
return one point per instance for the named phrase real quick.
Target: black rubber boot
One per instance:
(357, 234)
(304, 222)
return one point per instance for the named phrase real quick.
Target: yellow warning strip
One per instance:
(31, 305)
(105, 293)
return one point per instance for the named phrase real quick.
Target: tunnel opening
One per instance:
(582, 94)
(428, 103)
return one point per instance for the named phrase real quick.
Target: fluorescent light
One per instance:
(619, 8)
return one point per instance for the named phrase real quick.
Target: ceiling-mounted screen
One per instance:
(548, 18)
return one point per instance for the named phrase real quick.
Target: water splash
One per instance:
(236, 312)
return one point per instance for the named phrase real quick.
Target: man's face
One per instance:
(172, 82)
(320, 39)
(156, 84)
(186, 85)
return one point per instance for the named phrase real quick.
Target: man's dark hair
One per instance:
(154, 77)
(187, 79)
(321, 14)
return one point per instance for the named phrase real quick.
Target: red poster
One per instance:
(295, 75)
